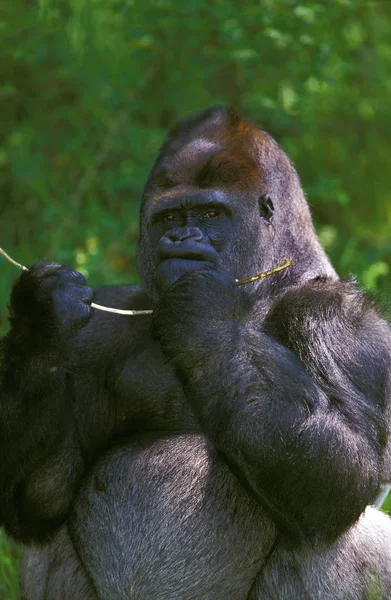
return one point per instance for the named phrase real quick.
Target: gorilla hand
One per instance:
(195, 311)
(49, 301)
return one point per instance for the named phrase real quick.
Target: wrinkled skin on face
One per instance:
(219, 190)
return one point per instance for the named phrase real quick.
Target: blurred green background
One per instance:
(88, 89)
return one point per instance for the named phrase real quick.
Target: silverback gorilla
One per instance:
(226, 448)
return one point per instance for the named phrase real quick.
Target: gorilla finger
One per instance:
(71, 275)
(73, 315)
(66, 296)
(88, 295)
(74, 293)
(84, 318)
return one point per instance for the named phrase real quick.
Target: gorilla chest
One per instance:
(149, 395)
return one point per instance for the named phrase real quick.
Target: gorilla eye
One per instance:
(211, 214)
(169, 218)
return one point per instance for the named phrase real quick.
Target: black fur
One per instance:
(228, 447)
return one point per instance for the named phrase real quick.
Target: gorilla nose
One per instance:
(186, 243)
(185, 233)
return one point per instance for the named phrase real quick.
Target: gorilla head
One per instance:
(223, 194)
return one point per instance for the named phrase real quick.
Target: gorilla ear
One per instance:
(266, 208)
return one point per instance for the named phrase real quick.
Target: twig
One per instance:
(11, 260)
(118, 311)
(287, 263)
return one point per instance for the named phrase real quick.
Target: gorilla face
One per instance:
(223, 194)
(189, 231)
(193, 216)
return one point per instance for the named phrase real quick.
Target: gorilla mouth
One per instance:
(172, 267)
(177, 258)
(187, 252)
(186, 262)
(176, 264)
(186, 257)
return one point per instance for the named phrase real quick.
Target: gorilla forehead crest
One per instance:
(217, 148)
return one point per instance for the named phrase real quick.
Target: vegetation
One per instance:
(87, 91)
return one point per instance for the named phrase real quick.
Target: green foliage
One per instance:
(9, 557)
(87, 90)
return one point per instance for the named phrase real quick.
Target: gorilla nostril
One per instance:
(197, 235)
(173, 237)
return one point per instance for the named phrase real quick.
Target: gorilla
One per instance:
(225, 448)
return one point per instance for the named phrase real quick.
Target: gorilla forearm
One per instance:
(298, 436)
(45, 448)
(36, 476)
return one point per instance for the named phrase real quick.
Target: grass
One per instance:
(9, 560)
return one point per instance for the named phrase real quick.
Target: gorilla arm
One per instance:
(296, 403)
(40, 461)
(54, 408)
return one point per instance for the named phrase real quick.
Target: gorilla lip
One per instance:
(189, 262)
(183, 251)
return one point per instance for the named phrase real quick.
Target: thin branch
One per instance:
(287, 263)
(119, 311)
(11, 260)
